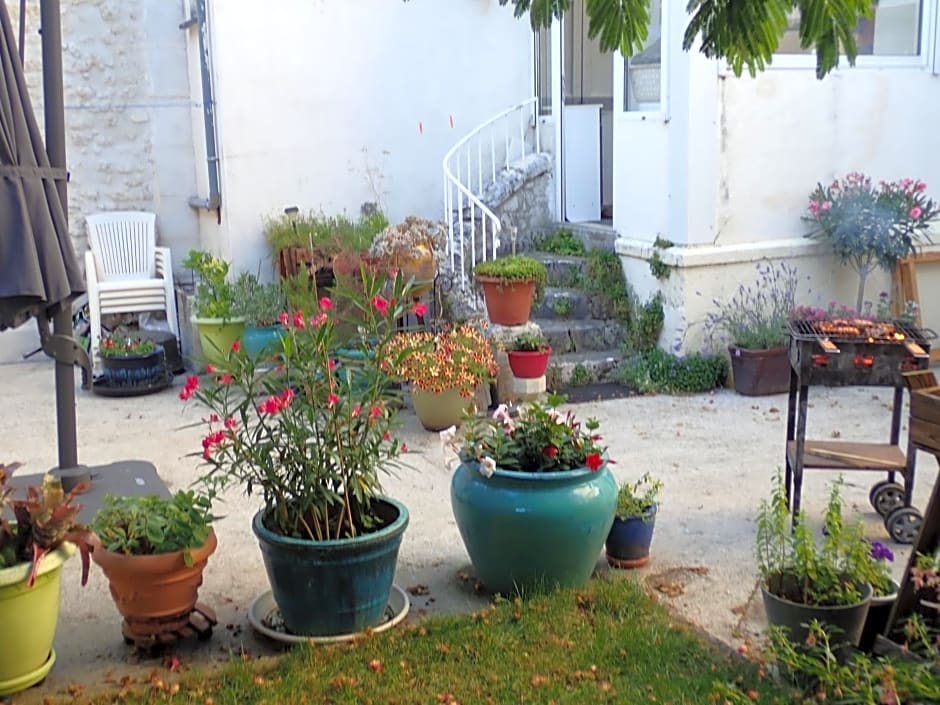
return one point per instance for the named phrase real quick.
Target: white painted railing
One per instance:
(488, 149)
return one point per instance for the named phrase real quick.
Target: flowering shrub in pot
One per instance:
(131, 362)
(444, 368)
(214, 309)
(753, 323)
(532, 495)
(871, 226)
(313, 439)
(528, 355)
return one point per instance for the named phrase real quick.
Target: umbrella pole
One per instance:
(54, 113)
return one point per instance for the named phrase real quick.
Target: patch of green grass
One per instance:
(561, 242)
(607, 643)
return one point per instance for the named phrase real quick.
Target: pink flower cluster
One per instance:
(192, 384)
(275, 404)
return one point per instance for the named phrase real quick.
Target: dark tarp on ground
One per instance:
(38, 267)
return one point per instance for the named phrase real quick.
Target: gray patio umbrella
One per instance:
(39, 274)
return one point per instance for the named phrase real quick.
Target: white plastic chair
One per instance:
(125, 271)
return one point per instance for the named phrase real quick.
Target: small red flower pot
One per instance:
(527, 364)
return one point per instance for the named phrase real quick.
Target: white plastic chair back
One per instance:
(123, 244)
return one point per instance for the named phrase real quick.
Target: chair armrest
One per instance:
(164, 262)
(91, 271)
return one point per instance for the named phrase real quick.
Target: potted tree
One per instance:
(214, 311)
(802, 581)
(510, 285)
(871, 226)
(628, 543)
(38, 534)
(528, 355)
(753, 324)
(532, 496)
(312, 439)
(445, 369)
(153, 552)
(260, 305)
(132, 365)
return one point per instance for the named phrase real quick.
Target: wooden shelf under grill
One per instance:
(849, 455)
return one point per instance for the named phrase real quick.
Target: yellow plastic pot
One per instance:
(28, 618)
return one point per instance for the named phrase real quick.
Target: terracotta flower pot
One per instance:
(508, 303)
(155, 594)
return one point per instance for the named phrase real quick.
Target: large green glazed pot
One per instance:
(340, 586)
(528, 532)
(216, 336)
(28, 618)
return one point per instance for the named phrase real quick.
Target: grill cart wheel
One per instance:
(886, 497)
(903, 524)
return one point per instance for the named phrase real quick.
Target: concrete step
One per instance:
(563, 303)
(567, 336)
(581, 368)
(595, 236)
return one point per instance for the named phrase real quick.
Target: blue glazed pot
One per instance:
(528, 532)
(262, 341)
(628, 543)
(341, 586)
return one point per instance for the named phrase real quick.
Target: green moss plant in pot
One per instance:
(313, 439)
(153, 551)
(628, 543)
(533, 497)
(214, 312)
(510, 285)
(260, 305)
(38, 533)
(752, 322)
(528, 355)
(444, 369)
(802, 580)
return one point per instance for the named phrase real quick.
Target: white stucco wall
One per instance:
(319, 104)
(127, 101)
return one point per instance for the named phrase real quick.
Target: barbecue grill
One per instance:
(856, 352)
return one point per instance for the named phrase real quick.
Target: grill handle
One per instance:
(828, 346)
(916, 350)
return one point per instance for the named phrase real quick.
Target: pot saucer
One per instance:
(265, 617)
(27, 680)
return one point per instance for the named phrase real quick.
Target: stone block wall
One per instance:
(523, 197)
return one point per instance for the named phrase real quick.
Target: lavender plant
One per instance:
(755, 316)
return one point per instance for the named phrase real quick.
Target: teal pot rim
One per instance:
(552, 476)
(865, 589)
(53, 560)
(231, 320)
(362, 541)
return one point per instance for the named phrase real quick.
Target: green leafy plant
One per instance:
(42, 521)
(645, 323)
(117, 345)
(149, 525)
(309, 434)
(515, 268)
(637, 498)
(562, 306)
(327, 234)
(926, 575)
(581, 376)
(259, 303)
(658, 267)
(656, 371)
(605, 280)
(215, 295)
(871, 226)
(532, 438)
(755, 316)
(794, 567)
(561, 242)
(530, 341)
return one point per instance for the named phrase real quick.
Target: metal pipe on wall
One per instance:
(198, 19)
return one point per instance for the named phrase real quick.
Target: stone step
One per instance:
(582, 368)
(568, 336)
(595, 236)
(563, 270)
(564, 303)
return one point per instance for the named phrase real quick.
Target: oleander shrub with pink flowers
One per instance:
(312, 428)
(869, 225)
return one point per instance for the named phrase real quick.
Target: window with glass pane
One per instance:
(893, 31)
(642, 72)
(543, 70)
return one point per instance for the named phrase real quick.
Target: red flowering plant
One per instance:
(312, 429)
(531, 438)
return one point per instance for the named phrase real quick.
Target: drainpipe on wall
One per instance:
(198, 20)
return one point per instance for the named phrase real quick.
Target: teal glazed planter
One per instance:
(530, 532)
(262, 341)
(341, 586)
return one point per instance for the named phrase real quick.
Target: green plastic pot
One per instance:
(533, 531)
(216, 336)
(28, 618)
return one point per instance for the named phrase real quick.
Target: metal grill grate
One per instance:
(810, 330)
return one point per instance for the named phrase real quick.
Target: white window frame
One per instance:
(927, 58)
(665, 61)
